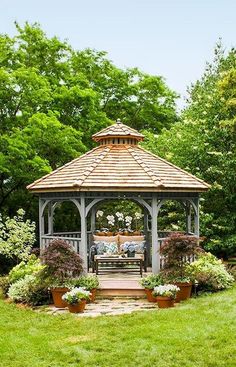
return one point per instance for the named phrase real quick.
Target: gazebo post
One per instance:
(188, 218)
(83, 243)
(50, 218)
(93, 219)
(155, 244)
(196, 218)
(41, 222)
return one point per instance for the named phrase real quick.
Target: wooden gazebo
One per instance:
(118, 168)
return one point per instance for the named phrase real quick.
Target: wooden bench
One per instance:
(130, 264)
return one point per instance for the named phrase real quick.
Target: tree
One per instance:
(53, 98)
(203, 142)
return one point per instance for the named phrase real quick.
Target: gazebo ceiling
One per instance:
(118, 164)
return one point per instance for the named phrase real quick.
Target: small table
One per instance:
(136, 262)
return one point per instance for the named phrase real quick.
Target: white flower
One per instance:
(111, 219)
(138, 215)
(99, 213)
(120, 216)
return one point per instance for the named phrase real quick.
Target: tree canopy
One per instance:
(204, 143)
(53, 98)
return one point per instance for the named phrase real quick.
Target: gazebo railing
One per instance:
(74, 242)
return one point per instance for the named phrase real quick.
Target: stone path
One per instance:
(114, 307)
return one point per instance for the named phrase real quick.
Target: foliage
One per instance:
(30, 289)
(177, 249)
(151, 281)
(16, 236)
(4, 285)
(88, 282)
(210, 273)
(222, 248)
(76, 295)
(166, 290)
(204, 143)
(30, 267)
(62, 261)
(53, 98)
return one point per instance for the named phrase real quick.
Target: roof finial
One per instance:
(118, 121)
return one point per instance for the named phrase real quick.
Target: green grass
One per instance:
(199, 333)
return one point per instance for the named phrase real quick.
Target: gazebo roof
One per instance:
(118, 165)
(117, 130)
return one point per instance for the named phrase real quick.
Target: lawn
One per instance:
(200, 333)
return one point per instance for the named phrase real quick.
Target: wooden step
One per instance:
(120, 288)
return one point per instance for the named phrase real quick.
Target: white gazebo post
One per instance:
(155, 244)
(83, 243)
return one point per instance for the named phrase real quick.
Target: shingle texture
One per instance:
(118, 167)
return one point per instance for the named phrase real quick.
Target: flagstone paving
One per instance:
(108, 307)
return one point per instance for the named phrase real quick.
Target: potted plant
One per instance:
(149, 283)
(165, 295)
(178, 250)
(62, 265)
(76, 299)
(88, 282)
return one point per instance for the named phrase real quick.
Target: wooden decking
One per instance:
(120, 285)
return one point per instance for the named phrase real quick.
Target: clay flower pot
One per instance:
(93, 294)
(164, 302)
(149, 295)
(57, 294)
(77, 307)
(184, 292)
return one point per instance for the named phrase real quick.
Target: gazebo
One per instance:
(118, 168)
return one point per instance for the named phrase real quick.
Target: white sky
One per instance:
(172, 38)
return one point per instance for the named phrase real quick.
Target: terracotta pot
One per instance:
(164, 302)
(184, 292)
(149, 295)
(78, 307)
(136, 233)
(57, 294)
(93, 294)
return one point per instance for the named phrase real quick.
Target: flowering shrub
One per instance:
(62, 261)
(16, 236)
(166, 290)
(32, 266)
(76, 295)
(4, 285)
(210, 273)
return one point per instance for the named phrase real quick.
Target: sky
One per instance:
(171, 38)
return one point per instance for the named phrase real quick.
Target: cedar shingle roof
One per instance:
(118, 167)
(117, 130)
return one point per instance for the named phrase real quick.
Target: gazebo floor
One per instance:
(121, 284)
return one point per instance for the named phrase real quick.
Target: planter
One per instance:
(164, 302)
(78, 307)
(93, 294)
(137, 233)
(149, 295)
(57, 294)
(184, 292)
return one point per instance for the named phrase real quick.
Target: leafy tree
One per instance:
(53, 98)
(203, 142)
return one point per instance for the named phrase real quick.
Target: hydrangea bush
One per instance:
(17, 236)
(166, 290)
(76, 295)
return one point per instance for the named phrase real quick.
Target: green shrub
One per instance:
(152, 281)
(210, 273)
(88, 282)
(222, 248)
(31, 290)
(4, 285)
(32, 266)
